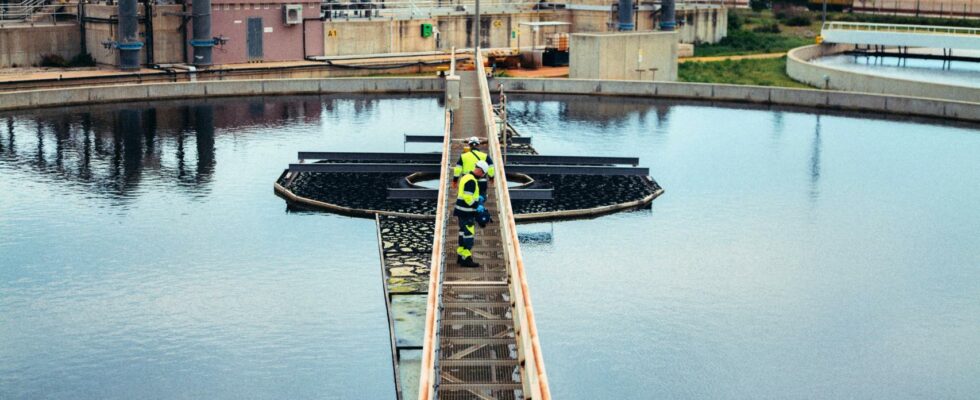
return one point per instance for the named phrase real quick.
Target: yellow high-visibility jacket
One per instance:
(467, 163)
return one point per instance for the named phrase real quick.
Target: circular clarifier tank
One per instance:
(962, 71)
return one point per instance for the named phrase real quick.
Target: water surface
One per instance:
(793, 255)
(143, 253)
(958, 73)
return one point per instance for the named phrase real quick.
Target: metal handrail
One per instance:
(536, 379)
(427, 377)
(23, 10)
(875, 27)
(29, 14)
(423, 3)
(421, 7)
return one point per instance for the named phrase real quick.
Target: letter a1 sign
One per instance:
(332, 33)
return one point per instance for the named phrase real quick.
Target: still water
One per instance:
(958, 73)
(144, 255)
(792, 256)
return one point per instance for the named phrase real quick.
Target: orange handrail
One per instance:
(427, 375)
(537, 377)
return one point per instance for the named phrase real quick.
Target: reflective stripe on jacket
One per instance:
(468, 194)
(467, 163)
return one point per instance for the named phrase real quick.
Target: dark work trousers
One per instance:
(467, 232)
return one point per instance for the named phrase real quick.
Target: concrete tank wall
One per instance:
(159, 91)
(24, 46)
(623, 56)
(695, 24)
(362, 36)
(702, 25)
(810, 98)
(798, 67)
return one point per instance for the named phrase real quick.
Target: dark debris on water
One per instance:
(362, 191)
(580, 192)
(571, 192)
(407, 249)
(369, 192)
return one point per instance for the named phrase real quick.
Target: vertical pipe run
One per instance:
(667, 22)
(477, 22)
(202, 40)
(626, 15)
(148, 29)
(128, 45)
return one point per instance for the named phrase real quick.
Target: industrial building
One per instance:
(203, 33)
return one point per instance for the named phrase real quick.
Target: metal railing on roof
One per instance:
(415, 8)
(20, 10)
(36, 11)
(902, 28)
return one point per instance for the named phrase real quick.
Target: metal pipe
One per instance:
(667, 22)
(202, 42)
(81, 26)
(148, 30)
(183, 33)
(626, 15)
(128, 45)
(477, 21)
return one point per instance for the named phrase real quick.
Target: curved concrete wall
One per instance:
(161, 91)
(798, 67)
(822, 99)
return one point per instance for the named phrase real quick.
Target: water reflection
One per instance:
(144, 255)
(815, 163)
(111, 151)
(786, 247)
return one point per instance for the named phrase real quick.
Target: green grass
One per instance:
(746, 35)
(762, 72)
(741, 41)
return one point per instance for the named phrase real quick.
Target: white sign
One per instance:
(238, 21)
(268, 29)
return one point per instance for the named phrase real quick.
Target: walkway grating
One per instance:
(477, 347)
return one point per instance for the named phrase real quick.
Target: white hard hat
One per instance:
(473, 140)
(483, 165)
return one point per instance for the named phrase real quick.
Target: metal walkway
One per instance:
(480, 339)
(938, 37)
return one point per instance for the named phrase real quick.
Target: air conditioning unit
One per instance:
(292, 14)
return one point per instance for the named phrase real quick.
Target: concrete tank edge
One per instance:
(766, 95)
(812, 98)
(799, 67)
(59, 97)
